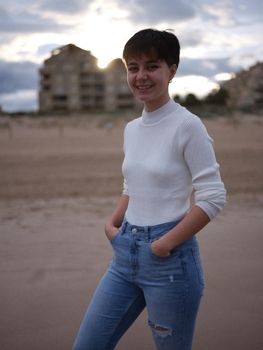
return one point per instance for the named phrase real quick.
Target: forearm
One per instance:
(192, 223)
(117, 216)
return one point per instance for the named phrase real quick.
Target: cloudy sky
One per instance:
(218, 37)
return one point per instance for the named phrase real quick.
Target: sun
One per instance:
(104, 35)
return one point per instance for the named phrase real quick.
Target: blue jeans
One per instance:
(170, 288)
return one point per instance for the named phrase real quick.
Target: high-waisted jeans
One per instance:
(171, 289)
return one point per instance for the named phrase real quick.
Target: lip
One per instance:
(143, 87)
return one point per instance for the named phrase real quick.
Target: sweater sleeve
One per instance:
(199, 155)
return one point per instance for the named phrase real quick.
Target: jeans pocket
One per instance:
(118, 234)
(114, 239)
(198, 265)
(174, 253)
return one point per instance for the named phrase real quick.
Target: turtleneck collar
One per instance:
(151, 118)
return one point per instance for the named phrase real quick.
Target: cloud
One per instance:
(36, 25)
(206, 67)
(188, 39)
(15, 76)
(154, 12)
(248, 11)
(26, 22)
(46, 49)
(65, 6)
(19, 86)
(232, 13)
(22, 100)
(196, 84)
(222, 12)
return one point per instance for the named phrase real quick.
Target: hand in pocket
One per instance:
(111, 231)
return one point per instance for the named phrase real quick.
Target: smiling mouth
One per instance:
(143, 87)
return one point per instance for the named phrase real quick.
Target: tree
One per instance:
(177, 98)
(217, 97)
(191, 100)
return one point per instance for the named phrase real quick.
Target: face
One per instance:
(148, 79)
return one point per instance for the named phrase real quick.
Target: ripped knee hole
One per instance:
(161, 330)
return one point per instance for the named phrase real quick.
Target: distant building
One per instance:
(70, 80)
(117, 92)
(245, 90)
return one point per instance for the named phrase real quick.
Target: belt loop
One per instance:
(124, 225)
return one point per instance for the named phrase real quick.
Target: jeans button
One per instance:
(134, 230)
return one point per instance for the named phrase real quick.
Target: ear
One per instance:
(173, 69)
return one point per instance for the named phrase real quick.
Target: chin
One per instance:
(143, 98)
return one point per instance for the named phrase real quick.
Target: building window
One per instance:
(60, 98)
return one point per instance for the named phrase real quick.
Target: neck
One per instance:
(154, 117)
(153, 105)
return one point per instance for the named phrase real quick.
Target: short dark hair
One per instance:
(163, 44)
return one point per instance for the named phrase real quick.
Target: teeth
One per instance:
(143, 87)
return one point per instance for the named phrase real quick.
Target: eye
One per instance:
(132, 69)
(152, 67)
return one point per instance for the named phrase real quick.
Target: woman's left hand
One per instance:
(159, 250)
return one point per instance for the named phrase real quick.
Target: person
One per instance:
(156, 263)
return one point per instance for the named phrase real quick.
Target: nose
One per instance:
(141, 74)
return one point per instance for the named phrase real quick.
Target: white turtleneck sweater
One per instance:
(169, 154)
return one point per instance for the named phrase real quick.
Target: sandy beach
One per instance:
(60, 178)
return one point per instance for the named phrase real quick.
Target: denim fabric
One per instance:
(171, 289)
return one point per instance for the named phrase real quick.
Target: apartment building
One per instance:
(245, 90)
(70, 80)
